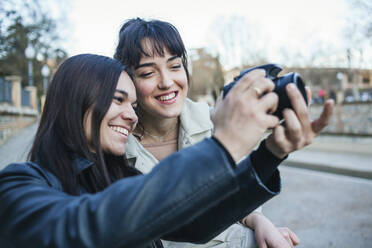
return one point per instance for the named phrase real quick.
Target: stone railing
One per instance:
(348, 118)
(17, 110)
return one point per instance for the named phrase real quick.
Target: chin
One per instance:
(171, 113)
(116, 152)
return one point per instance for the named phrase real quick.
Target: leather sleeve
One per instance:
(251, 194)
(265, 162)
(184, 190)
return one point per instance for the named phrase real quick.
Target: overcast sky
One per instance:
(95, 24)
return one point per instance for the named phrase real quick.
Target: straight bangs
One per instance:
(161, 35)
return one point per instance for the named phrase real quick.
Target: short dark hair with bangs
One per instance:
(162, 35)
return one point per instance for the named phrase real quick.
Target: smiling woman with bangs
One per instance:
(169, 121)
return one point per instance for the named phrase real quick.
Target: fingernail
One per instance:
(286, 110)
(290, 86)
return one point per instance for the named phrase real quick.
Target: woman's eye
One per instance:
(176, 66)
(144, 75)
(119, 99)
(134, 105)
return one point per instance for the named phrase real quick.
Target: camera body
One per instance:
(272, 71)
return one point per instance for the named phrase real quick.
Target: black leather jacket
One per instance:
(192, 195)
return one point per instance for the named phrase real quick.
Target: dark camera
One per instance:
(272, 71)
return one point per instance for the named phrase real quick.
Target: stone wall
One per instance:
(11, 124)
(14, 116)
(348, 119)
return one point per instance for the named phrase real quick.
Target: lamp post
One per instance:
(340, 88)
(45, 71)
(340, 76)
(30, 53)
(339, 100)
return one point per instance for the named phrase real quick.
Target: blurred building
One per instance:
(347, 85)
(351, 88)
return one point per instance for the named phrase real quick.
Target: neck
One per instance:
(157, 130)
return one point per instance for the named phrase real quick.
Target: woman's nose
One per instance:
(130, 114)
(166, 81)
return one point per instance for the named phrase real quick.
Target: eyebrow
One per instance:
(122, 92)
(152, 64)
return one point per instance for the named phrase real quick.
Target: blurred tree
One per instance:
(207, 75)
(362, 16)
(237, 41)
(23, 23)
(358, 31)
(243, 41)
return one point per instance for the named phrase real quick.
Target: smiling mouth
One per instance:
(120, 130)
(169, 97)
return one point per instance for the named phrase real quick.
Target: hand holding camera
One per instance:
(242, 118)
(249, 103)
(272, 71)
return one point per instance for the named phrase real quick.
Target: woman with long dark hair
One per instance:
(62, 134)
(78, 190)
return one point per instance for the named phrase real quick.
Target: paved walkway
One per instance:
(330, 143)
(325, 210)
(16, 149)
(339, 155)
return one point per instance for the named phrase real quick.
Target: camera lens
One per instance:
(280, 85)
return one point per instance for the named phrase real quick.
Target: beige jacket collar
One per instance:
(195, 121)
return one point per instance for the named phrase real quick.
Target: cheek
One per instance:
(182, 82)
(144, 89)
(103, 134)
(104, 127)
(87, 126)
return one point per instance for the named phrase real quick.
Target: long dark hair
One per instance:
(81, 83)
(162, 35)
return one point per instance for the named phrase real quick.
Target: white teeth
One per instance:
(167, 97)
(120, 130)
